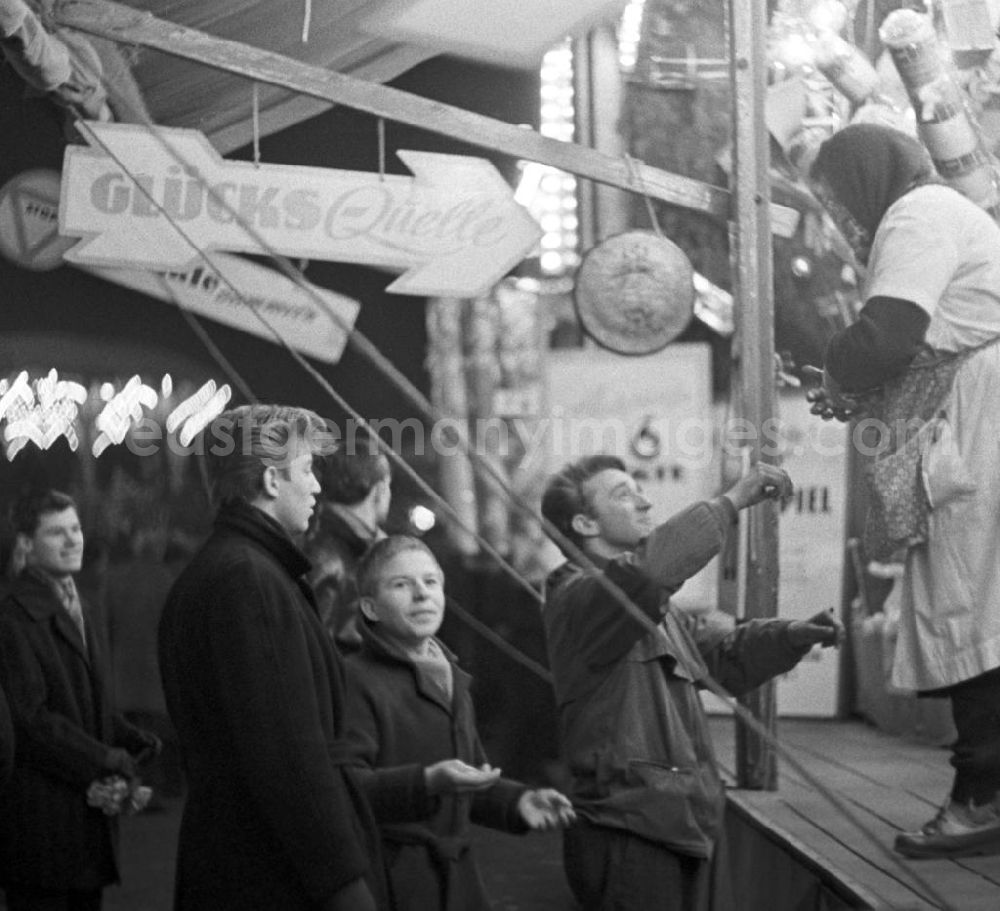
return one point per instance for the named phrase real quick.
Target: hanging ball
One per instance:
(634, 292)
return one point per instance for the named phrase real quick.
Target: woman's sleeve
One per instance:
(880, 345)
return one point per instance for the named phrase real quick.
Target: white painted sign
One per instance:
(228, 289)
(250, 297)
(811, 540)
(154, 196)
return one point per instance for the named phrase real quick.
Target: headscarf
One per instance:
(861, 170)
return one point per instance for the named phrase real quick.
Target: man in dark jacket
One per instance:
(274, 818)
(57, 853)
(635, 737)
(355, 504)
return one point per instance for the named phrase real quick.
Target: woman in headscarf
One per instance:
(921, 358)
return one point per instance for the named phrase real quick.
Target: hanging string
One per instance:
(381, 149)
(619, 596)
(635, 174)
(306, 21)
(256, 124)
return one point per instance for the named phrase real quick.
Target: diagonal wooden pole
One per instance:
(124, 24)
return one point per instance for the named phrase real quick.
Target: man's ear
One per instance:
(23, 544)
(585, 526)
(367, 606)
(269, 482)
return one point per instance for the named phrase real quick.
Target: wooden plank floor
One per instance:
(886, 785)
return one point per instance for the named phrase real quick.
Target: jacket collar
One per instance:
(382, 648)
(35, 595)
(253, 523)
(38, 599)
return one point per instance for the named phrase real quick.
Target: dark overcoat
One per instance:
(6, 744)
(273, 818)
(64, 726)
(398, 717)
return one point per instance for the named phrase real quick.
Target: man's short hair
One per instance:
(347, 478)
(241, 442)
(28, 509)
(564, 497)
(381, 552)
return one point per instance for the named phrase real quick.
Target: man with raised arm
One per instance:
(647, 795)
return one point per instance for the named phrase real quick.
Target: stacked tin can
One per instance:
(944, 121)
(847, 68)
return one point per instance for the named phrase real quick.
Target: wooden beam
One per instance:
(124, 24)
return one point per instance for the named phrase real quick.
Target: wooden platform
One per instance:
(888, 785)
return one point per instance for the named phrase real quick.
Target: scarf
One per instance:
(860, 171)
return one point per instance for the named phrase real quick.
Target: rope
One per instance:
(502, 644)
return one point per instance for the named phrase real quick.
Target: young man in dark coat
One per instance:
(57, 853)
(409, 707)
(274, 819)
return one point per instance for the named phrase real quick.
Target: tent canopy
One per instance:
(374, 40)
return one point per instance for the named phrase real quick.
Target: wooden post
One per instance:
(755, 761)
(598, 91)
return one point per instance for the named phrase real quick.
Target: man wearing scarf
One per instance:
(921, 360)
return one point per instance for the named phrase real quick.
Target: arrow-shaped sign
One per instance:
(453, 228)
(224, 288)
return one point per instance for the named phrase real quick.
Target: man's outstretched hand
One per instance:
(452, 776)
(821, 629)
(761, 482)
(546, 808)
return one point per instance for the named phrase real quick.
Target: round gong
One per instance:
(634, 292)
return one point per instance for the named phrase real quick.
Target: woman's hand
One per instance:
(828, 400)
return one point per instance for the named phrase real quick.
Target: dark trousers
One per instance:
(975, 755)
(614, 870)
(28, 898)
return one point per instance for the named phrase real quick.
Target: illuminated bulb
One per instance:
(422, 519)
(551, 262)
(166, 386)
(794, 51)
(827, 16)
(801, 266)
(107, 392)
